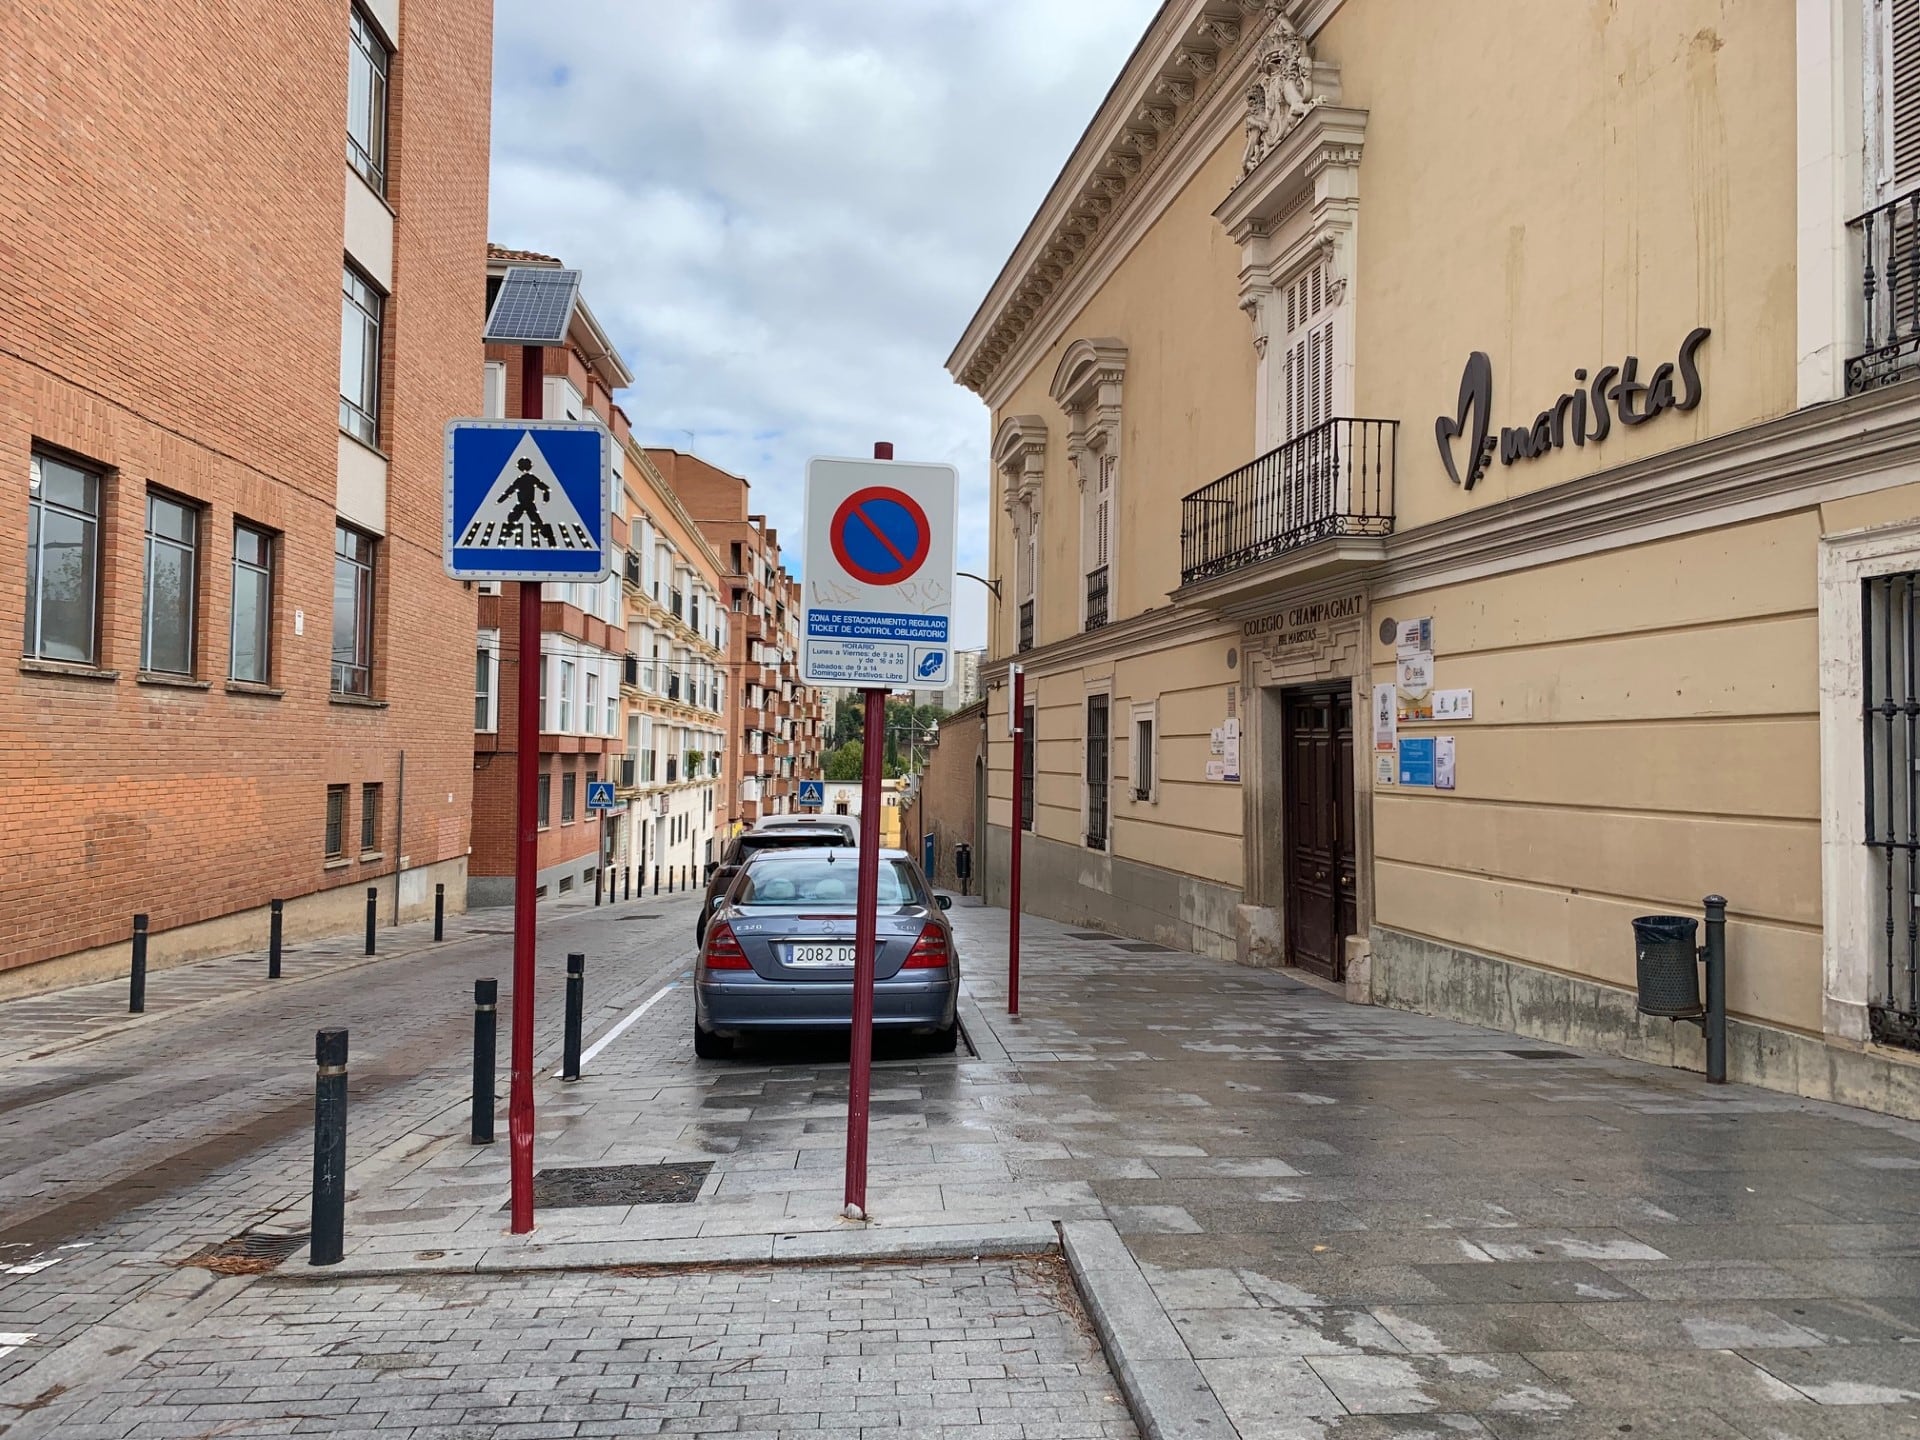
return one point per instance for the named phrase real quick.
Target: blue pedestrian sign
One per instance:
(879, 578)
(813, 792)
(600, 795)
(529, 500)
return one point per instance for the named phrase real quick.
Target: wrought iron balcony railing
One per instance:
(1097, 598)
(1334, 480)
(1889, 240)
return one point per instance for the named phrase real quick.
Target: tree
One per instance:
(842, 763)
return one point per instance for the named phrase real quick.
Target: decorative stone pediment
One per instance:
(1288, 84)
(1087, 387)
(1020, 459)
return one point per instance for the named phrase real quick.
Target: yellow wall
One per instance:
(1561, 185)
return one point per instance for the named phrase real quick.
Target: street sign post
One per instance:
(878, 598)
(527, 501)
(813, 792)
(600, 795)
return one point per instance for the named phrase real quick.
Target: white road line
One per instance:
(620, 1029)
(12, 1340)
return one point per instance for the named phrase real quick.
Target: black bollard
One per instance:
(629, 882)
(486, 1005)
(598, 876)
(670, 879)
(373, 913)
(1715, 955)
(576, 1006)
(329, 1146)
(137, 980)
(656, 879)
(439, 912)
(273, 942)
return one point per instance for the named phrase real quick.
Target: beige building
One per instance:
(1456, 481)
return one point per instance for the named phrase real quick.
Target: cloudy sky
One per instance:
(787, 210)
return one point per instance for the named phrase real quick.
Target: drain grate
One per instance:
(1090, 935)
(1145, 947)
(1542, 1055)
(671, 1184)
(253, 1253)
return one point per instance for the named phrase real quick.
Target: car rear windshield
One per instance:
(795, 879)
(791, 840)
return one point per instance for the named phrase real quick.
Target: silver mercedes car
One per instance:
(778, 953)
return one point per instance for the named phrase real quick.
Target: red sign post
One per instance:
(1017, 723)
(526, 855)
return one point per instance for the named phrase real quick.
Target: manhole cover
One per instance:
(1090, 935)
(677, 1184)
(1142, 947)
(253, 1253)
(1540, 1055)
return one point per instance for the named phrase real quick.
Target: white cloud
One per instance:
(787, 210)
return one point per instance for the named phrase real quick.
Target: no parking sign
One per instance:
(879, 574)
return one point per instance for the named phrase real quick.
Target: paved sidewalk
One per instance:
(1349, 1214)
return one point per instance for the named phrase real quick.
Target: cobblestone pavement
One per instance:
(124, 1153)
(994, 1350)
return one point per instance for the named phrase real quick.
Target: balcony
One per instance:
(1320, 503)
(633, 571)
(629, 772)
(630, 672)
(1889, 246)
(1097, 598)
(673, 687)
(1026, 624)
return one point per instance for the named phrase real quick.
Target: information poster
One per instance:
(1385, 717)
(1443, 762)
(1416, 761)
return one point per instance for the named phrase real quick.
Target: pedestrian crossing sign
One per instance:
(529, 500)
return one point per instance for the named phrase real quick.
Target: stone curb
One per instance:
(853, 1245)
(1169, 1397)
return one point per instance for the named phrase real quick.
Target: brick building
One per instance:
(240, 664)
(674, 772)
(582, 640)
(776, 723)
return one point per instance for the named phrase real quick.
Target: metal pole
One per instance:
(526, 864)
(1019, 788)
(440, 912)
(1716, 958)
(629, 883)
(860, 1056)
(329, 1146)
(273, 942)
(599, 884)
(373, 914)
(399, 832)
(486, 1020)
(576, 1005)
(656, 879)
(137, 978)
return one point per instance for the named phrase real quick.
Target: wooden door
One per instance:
(1319, 859)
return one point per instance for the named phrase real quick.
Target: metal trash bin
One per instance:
(1667, 966)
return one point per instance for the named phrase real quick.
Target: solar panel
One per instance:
(533, 307)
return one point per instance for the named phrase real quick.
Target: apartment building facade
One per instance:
(1436, 533)
(239, 659)
(582, 640)
(675, 771)
(777, 728)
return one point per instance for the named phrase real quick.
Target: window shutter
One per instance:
(1103, 512)
(1307, 357)
(1904, 52)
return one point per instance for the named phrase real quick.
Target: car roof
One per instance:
(835, 852)
(774, 822)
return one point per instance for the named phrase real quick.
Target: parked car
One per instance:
(778, 955)
(773, 833)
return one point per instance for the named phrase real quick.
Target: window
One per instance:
(591, 718)
(493, 403)
(360, 310)
(1892, 812)
(567, 784)
(545, 805)
(486, 673)
(566, 696)
(613, 711)
(368, 62)
(63, 561)
(250, 656)
(1029, 744)
(166, 628)
(1306, 366)
(1097, 747)
(352, 612)
(369, 819)
(336, 821)
(1144, 757)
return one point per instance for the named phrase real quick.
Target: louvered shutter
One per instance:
(1307, 366)
(1103, 512)
(1904, 58)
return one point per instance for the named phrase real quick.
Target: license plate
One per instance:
(820, 955)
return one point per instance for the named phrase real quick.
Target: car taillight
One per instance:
(723, 950)
(929, 951)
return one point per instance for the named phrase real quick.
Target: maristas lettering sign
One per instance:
(1582, 414)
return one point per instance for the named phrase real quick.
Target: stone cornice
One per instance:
(1179, 65)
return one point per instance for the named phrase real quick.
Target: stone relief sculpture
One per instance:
(1283, 91)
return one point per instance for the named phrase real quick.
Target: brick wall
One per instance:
(171, 232)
